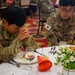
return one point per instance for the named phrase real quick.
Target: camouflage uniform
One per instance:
(46, 9)
(10, 45)
(60, 30)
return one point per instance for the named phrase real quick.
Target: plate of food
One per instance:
(20, 58)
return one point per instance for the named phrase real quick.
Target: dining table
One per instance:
(49, 52)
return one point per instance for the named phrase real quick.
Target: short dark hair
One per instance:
(66, 2)
(15, 15)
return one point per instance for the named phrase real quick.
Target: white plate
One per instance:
(20, 59)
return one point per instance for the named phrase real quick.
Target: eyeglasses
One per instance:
(67, 11)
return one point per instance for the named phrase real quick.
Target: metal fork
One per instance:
(52, 50)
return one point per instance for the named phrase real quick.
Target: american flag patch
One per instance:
(47, 27)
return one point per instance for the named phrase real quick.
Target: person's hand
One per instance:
(23, 33)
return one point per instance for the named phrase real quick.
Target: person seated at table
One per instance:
(61, 26)
(13, 33)
(46, 9)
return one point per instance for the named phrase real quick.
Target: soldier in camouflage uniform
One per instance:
(13, 35)
(61, 27)
(46, 8)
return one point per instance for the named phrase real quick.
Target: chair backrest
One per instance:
(25, 3)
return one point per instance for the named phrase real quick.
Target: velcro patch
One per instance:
(47, 27)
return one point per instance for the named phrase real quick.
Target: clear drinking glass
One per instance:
(29, 55)
(62, 44)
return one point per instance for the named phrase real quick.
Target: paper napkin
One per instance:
(43, 63)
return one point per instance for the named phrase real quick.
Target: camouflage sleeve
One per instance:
(47, 7)
(12, 49)
(29, 42)
(48, 26)
(49, 33)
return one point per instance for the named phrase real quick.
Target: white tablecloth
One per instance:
(9, 69)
